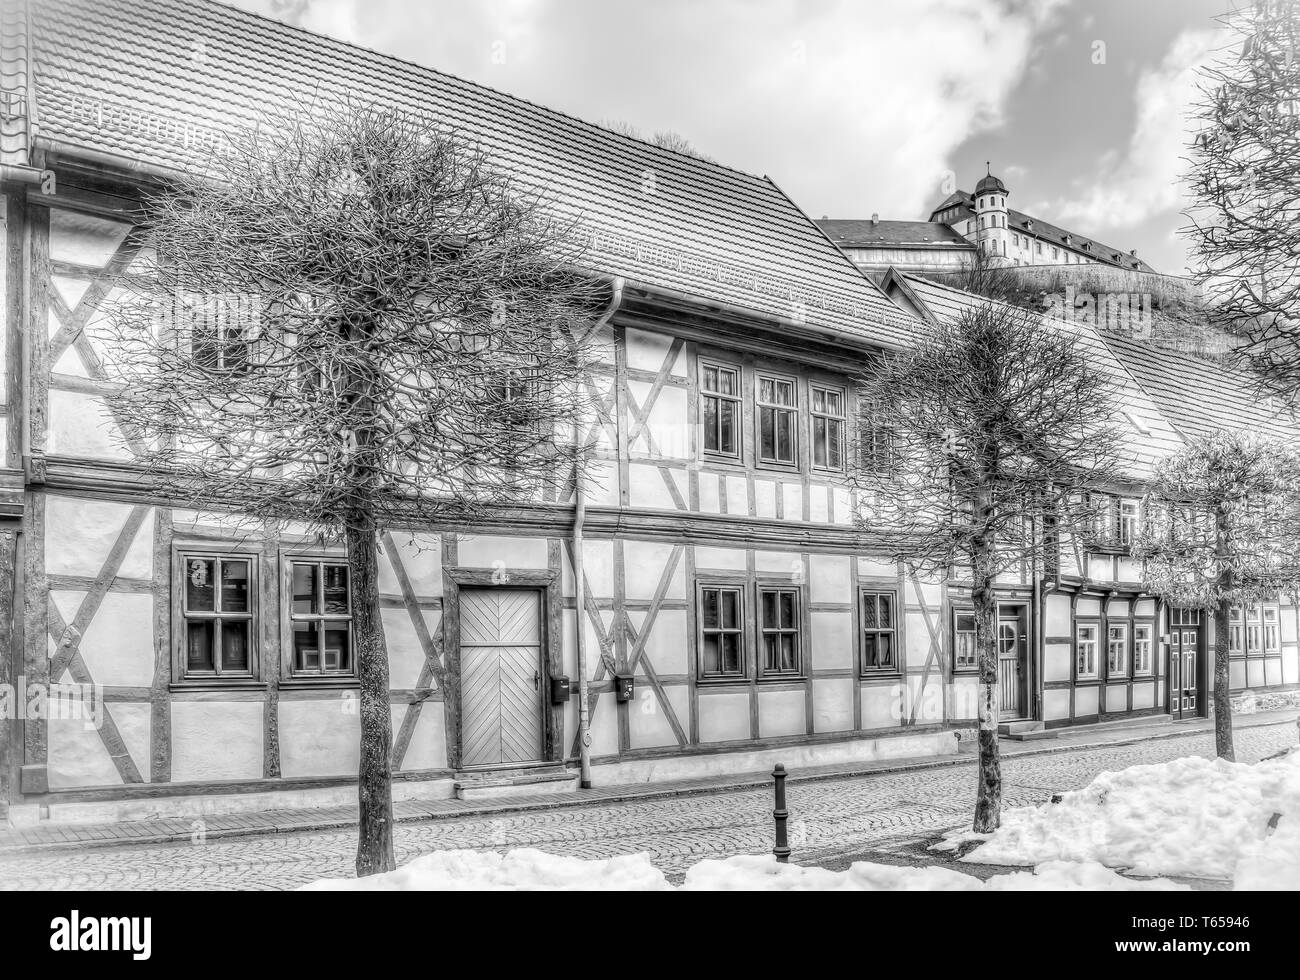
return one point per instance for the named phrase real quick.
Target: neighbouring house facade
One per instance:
(1104, 648)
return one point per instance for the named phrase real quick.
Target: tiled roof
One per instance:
(850, 233)
(160, 80)
(1048, 232)
(1201, 395)
(1141, 412)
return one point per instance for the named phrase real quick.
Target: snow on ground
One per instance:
(524, 869)
(1198, 817)
(531, 870)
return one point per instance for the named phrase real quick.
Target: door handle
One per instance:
(537, 678)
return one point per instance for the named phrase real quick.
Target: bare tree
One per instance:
(1222, 529)
(992, 277)
(975, 449)
(354, 322)
(667, 138)
(1244, 176)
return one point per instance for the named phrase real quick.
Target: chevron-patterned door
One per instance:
(500, 677)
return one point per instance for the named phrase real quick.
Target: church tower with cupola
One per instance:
(991, 215)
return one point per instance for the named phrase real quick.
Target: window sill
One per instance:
(723, 681)
(879, 675)
(774, 678)
(218, 684)
(318, 683)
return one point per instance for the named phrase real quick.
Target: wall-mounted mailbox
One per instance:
(559, 690)
(623, 687)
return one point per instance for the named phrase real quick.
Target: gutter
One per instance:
(579, 584)
(21, 174)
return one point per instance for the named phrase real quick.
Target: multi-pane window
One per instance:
(1254, 629)
(828, 427)
(1085, 644)
(1128, 521)
(320, 617)
(219, 328)
(1116, 650)
(1272, 638)
(1142, 642)
(721, 632)
(964, 653)
(720, 403)
(1180, 616)
(877, 442)
(778, 630)
(217, 615)
(777, 415)
(878, 646)
(1236, 631)
(1254, 632)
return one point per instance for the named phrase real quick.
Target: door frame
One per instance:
(1021, 609)
(1202, 684)
(547, 583)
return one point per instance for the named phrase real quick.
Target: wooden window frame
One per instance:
(1275, 625)
(896, 668)
(721, 585)
(814, 416)
(181, 675)
(761, 671)
(1150, 626)
(1127, 525)
(290, 675)
(1079, 627)
(737, 400)
(793, 410)
(974, 665)
(1124, 671)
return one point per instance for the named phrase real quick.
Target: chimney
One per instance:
(875, 219)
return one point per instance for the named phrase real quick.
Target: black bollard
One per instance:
(782, 849)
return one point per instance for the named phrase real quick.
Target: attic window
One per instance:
(1137, 422)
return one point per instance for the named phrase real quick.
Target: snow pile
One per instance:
(761, 872)
(531, 870)
(1057, 876)
(525, 869)
(1193, 816)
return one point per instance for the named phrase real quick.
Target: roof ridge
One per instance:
(295, 28)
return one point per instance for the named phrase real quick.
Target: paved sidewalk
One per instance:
(53, 836)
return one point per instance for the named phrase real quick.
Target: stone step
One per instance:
(1019, 727)
(497, 783)
(1145, 721)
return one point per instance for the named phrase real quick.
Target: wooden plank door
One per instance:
(1013, 664)
(500, 676)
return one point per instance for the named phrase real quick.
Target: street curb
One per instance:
(740, 782)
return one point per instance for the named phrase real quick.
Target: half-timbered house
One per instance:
(732, 612)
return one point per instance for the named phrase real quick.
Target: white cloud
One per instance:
(853, 108)
(1144, 180)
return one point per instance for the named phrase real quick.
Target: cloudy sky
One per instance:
(853, 106)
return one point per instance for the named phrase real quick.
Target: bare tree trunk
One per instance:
(1222, 680)
(374, 780)
(988, 795)
(1222, 676)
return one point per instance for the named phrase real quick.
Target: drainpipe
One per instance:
(579, 587)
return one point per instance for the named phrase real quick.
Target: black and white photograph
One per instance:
(650, 446)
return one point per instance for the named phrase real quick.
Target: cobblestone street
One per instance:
(830, 816)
